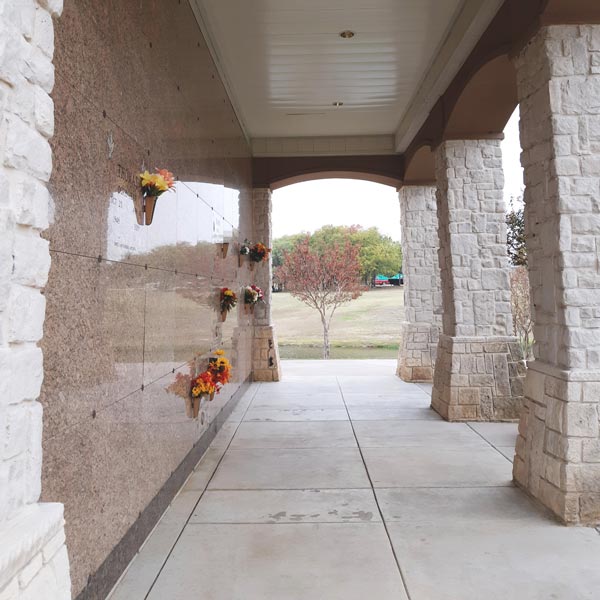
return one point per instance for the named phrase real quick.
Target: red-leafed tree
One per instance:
(323, 279)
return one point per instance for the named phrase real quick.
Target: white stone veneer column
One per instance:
(33, 557)
(478, 371)
(422, 292)
(558, 449)
(265, 353)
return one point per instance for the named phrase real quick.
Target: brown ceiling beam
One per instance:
(568, 12)
(278, 171)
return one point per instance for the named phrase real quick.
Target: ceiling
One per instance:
(285, 64)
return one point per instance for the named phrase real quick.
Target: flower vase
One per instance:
(248, 308)
(149, 206)
(189, 407)
(196, 407)
(223, 316)
(251, 265)
(212, 396)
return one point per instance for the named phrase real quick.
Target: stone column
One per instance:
(558, 449)
(478, 371)
(422, 291)
(33, 555)
(265, 353)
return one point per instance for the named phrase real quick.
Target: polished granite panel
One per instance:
(105, 468)
(131, 307)
(93, 338)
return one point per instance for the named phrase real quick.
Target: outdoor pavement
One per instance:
(341, 483)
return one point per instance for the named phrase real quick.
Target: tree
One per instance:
(323, 279)
(519, 278)
(515, 225)
(521, 309)
(378, 254)
(283, 244)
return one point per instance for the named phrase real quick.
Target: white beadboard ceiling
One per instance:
(285, 64)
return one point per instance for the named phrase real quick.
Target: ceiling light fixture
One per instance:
(347, 34)
(338, 103)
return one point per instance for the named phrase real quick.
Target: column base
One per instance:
(265, 355)
(558, 448)
(418, 349)
(478, 379)
(33, 555)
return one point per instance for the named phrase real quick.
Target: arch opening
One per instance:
(331, 211)
(339, 175)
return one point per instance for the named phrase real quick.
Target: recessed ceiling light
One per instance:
(347, 34)
(338, 103)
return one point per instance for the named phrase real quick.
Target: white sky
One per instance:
(310, 205)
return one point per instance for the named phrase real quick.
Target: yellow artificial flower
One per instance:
(220, 352)
(145, 178)
(159, 183)
(154, 180)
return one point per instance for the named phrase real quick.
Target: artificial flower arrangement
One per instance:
(220, 369)
(152, 185)
(256, 252)
(245, 248)
(227, 302)
(252, 295)
(259, 252)
(205, 385)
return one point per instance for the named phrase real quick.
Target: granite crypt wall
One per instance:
(128, 307)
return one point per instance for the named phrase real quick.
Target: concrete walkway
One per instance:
(341, 483)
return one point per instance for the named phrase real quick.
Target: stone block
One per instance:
(11, 590)
(23, 374)
(31, 259)
(420, 374)
(554, 413)
(469, 396)
(27, 150)
(559, 502)
(31, 570)
(589, 509)
(30, 201)
(552, 470)
(580, 420)
(583, 477)
(44, 113)
(26, 310)
(43, 32)
(13, 49)
(463, 413)
(262, 375)
(591, 450)
(591, 392)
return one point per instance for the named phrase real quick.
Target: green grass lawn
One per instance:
(368, 327)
